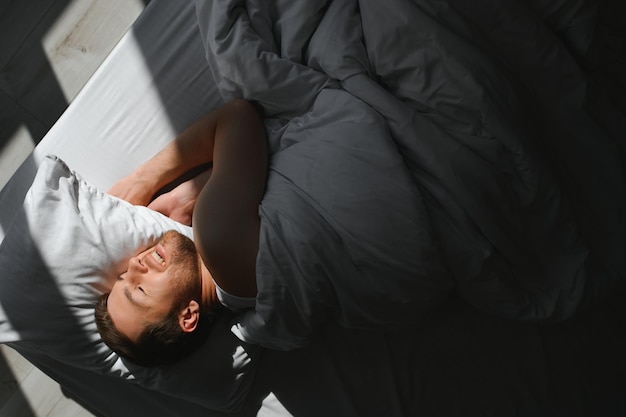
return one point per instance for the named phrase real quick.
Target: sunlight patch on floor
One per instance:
(14, 152)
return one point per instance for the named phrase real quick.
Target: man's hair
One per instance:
(161, 343)
(164, 342)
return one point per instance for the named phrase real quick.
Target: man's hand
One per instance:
(179, 203)
(134, 190)
(191, 149)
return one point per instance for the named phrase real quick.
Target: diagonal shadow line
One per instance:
(28, 62)
(27, 79)
(18, 99)
(20, 283)
(13, 113)
(12, 116)
(15, 291)
(10, 390)
(27, 74)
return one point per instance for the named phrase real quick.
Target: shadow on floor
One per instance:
(30, 94)
(10, 391)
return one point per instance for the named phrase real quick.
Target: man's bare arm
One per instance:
(226, 221)
(191, 148)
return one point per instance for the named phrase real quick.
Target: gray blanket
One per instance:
(421, 149)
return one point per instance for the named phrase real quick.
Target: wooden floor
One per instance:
(48, 50)
(25, 391)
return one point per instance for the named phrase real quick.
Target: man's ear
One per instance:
(189, 317)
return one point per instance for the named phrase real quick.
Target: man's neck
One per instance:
(209, 295)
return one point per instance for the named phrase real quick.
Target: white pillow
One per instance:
(62, 252)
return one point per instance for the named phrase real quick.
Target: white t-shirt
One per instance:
(233, 302)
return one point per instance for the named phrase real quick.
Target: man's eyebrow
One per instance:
(132, 300)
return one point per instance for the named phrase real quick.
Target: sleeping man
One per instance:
(326, 244)
(161, 307)
(339, 229)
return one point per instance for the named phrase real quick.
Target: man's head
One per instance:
(154, 313)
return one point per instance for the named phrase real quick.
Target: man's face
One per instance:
(146, 292)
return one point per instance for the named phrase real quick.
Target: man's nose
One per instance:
(137, 265)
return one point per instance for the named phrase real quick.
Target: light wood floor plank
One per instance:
(68, 408)
(40, 396)
(37, 395)
(9, 380)
(83, 35)
(19, 367)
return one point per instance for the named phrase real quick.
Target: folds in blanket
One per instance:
(505, 229)
(489, 106)
(517, 190)
(507, 236)
(345, 233)
(256, 48)
(282, 54)
(521, 238)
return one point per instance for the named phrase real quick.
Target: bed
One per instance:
(443, 231)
